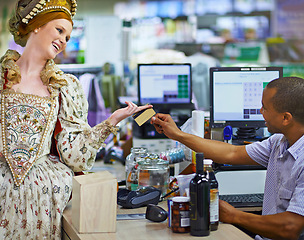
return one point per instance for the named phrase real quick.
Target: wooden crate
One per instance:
(94, 202)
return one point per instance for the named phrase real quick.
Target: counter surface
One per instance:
(140, 229)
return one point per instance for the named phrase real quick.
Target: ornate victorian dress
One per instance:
(35, 185)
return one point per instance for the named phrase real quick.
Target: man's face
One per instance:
(272, 117)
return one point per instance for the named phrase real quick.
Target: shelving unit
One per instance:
(195, 22)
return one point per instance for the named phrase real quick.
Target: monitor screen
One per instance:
(164, 83)
(236, 95)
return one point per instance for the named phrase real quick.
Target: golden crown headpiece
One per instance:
(67, 6)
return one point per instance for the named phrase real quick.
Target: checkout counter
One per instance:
(139, 229)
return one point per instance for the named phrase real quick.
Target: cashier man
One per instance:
(282, 154)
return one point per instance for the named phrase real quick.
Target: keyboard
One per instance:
(244, 200)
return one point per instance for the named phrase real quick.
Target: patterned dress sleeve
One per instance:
(77, 142)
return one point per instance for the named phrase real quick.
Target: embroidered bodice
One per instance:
(26, 120)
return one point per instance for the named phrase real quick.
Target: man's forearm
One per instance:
(218, 151)
(279, 226)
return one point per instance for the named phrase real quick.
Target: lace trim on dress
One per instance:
(111, 128)
(102, 131)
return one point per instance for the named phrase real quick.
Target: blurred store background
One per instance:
(111, 37)
(232, 31)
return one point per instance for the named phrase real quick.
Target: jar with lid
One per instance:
(153, 172)
(131, 166)
(180, 215)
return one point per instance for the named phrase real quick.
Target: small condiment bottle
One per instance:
(180, 219)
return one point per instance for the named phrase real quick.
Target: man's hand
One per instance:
(164, 123)
(285, 225)
(226, 212)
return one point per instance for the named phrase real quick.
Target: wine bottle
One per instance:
(200, 200)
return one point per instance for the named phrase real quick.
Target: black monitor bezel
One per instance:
(241, 123)
(166, 105)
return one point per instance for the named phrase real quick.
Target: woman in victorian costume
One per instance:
(42, 109)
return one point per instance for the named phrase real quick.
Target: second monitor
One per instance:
(236, 95)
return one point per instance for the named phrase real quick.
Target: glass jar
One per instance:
(153, 172)
(180, 212)
(131, 166)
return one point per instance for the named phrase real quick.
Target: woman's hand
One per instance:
(128, 111)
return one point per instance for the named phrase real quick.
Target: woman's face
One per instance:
(52, 38)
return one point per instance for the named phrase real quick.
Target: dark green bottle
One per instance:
(200, 200)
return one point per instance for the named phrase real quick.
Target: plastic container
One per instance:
(183, 182)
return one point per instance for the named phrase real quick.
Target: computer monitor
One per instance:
(164, 84)
(236, 95)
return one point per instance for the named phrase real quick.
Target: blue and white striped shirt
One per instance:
(284, 185)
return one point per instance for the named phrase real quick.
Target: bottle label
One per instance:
(134, 186)
(184, 219)
(193, 204)
(214, 205)
(193, 161)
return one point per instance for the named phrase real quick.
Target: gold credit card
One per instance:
(143, 116)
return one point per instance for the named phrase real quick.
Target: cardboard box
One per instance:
(94, 202)
(126, 146)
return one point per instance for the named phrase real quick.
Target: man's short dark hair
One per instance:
(289, 96)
